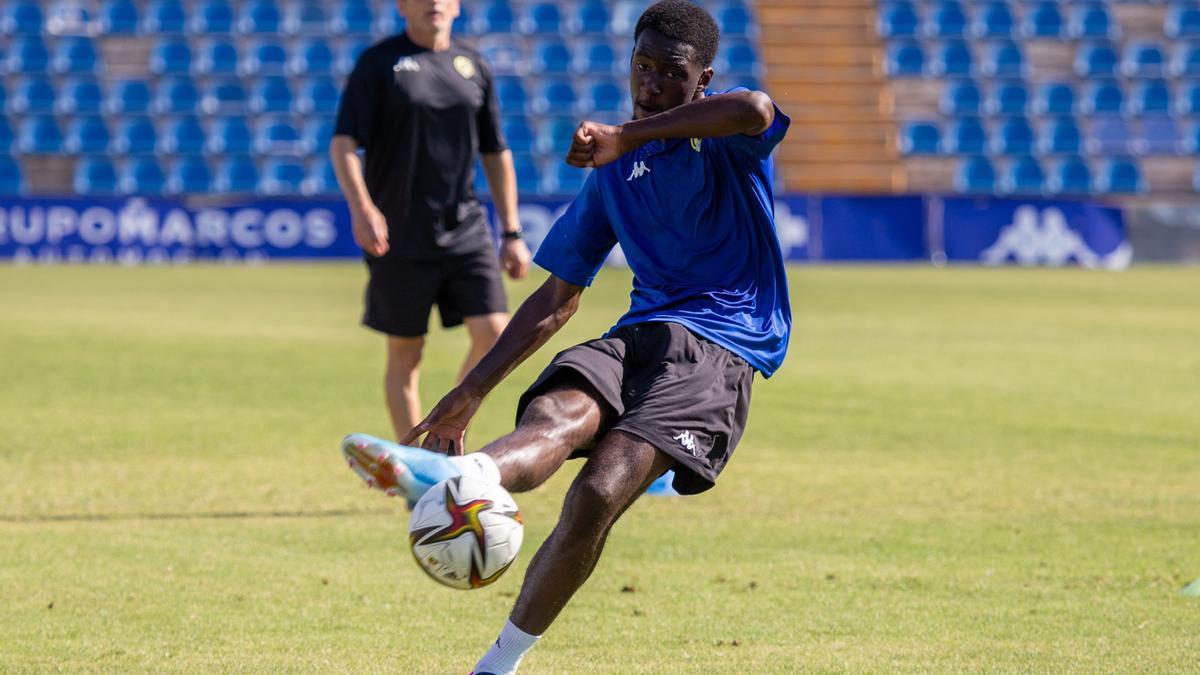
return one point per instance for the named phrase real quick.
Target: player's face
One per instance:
(664, 74)
(429, 16)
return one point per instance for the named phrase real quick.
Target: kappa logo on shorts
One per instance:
(687, 440)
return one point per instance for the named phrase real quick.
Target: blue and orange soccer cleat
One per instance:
(398, 470)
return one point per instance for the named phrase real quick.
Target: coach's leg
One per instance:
(483, 330)
(400, 382)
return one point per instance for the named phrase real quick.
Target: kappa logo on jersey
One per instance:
(1044, 238)
(687, 440)
(464, 66)
(407, 65)
(639, 169)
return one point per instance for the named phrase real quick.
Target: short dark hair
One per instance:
(683, 21)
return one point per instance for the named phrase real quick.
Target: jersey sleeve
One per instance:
(491, 139)
(356, 112)
(762, 145)
(581, 240)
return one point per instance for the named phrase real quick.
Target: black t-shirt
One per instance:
(422, 116)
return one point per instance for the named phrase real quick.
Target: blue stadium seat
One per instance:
(1144, 59)
(966, 137)
(592, 18)
(1160, 135)
(141, 176)
(625, 14)
(1185, 60)
(135, 136)
(309, 17)
(738, 59)
(277, 136)
(920, 138)
(1182, 21)
(189, 176)
(518, 134)
(510, 93)
(1070, 176)
(33, 96)
(1023, 176)
(312, 58)
(542, 18)
(554, 135)
(1008, 98)
(555, 95)
(214, 17)
(171, 56)
(1109, 135)
(164, 16)
(87, 135)
(1096, 60)
(975, 175)
(564, 180)
(953, 59)
(22, 17)
(1150, 97)
(75, 55)
(28, 55)
(734, 19)
(897, 20)
(224, 97)
(1055, 98)
(605, 96)
(265, 57)
(1102, 98)
(259, 17)
(1003, 59)
(353, 17)
(282, 176)
(318, 95)
(128, 97)
(1191, 138)
(218, 56)
(230, 136)
(3, 96)
(348, 54)
(946, 20)
(1119, 175)
(479, 184)
(1014, 137)
(177, 96)
(235, 174)
(183, 136)
(596, 58)
(495, 17)
(1061, 136)
(316, 134)
(6, 135)
(1044, 20)
(529, 175)
(1188, 102)
(271, 95)
(504, 55)
(552, 57)
(905, 59)
(320, 178)
(120, 17)
(994, 20)
(12, 179)
(95, 176)
(960, 98)
(1091, 21)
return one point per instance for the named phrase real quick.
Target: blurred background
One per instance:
(980, 131)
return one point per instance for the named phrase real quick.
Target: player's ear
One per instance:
(702, 84)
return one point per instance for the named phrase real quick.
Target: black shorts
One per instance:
(400, 293)
(684, 395)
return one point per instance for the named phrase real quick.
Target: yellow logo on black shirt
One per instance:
(696, 144)
(464, 66)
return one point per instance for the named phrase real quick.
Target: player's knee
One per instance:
(404, 354)
(594, 502)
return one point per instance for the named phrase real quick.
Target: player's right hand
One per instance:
(370, 230)
(445, 428)
(595, 145)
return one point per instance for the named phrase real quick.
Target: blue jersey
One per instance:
(695, 219)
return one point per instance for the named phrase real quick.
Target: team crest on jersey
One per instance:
(465, 67)
(696, 142)
(407, 65)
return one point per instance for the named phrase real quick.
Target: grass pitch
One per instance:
(957, 470)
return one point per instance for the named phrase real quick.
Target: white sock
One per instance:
(507, 651)
(477, 465)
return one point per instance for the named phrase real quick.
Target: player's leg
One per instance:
(473, 294)
(616, 473)
(401, 382)
(483, 331)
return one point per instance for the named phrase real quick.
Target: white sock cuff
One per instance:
(478, 465)
(506, 653)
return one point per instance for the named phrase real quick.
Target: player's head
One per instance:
(429, 16)
(674, 46)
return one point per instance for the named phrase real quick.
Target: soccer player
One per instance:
(685, 189)
(422, 107)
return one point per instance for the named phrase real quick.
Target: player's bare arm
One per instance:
(541, 316)
(366, 221)
(502, 179)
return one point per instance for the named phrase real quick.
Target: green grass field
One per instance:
(957, 470)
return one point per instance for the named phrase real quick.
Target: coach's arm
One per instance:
(541, 316)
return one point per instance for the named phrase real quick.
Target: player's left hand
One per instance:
(445, 428)
(514, 256)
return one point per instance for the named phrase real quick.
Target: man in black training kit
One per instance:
(422, 106)
(685, 188)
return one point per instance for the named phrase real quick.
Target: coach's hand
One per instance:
(514, 256)
(445, 428)
(595, 144)
(370, 230)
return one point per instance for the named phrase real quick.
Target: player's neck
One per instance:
(436, 41)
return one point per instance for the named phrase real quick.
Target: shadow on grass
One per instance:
(199, 515)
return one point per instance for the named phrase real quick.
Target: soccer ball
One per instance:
(465, 532)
